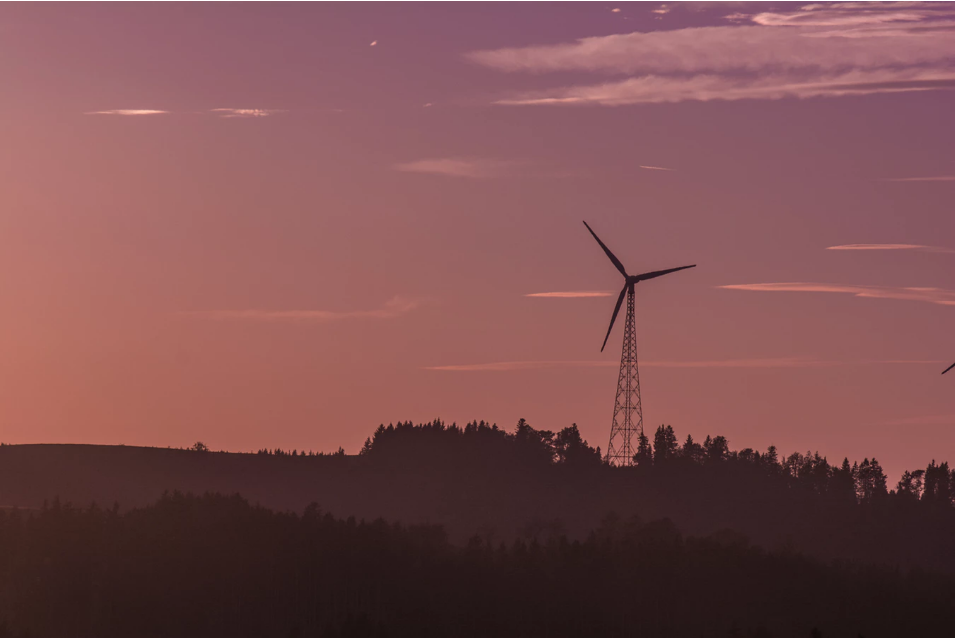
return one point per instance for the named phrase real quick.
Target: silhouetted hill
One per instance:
(135, 476)
(531, 483)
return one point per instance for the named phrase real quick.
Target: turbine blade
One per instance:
(949, 368)
(613, 258)
(659, 273)
(614, 317)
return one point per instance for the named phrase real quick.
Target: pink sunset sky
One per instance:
(281, 225)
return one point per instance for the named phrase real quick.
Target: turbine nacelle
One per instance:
(631, 280)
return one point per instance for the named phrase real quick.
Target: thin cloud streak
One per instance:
(931, 419)
(938, 178)
(913, 247)
(507, 366)
(473, 168)
(221, 112)
(657, 168)
(224, 112)
(573, 294)
(777, 362)
(392, 308)
(128, 112)
(876, 247)
(853, 14)
(937, 296)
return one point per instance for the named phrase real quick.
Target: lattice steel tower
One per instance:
(627, 409)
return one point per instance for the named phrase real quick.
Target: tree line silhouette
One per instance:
(217, 566)
(866, 481)
(832, 511)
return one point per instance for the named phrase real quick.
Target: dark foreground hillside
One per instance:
(532, 483)
(215, 566)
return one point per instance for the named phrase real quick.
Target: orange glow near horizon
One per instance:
(243, 224)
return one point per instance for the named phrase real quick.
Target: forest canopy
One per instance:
(217, 566)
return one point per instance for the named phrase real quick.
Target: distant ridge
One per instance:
(480, 479)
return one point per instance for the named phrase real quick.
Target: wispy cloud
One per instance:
(818, 50)
(852, 14)
(128, 112)
(395, 307)
(572, 294)
(937, 178)
(246, 112)
(652, 89)
(938, 296)
(772, 362)
(913, 247)
(656, 168)
(731, 48)
(475, 168)
(928, 419)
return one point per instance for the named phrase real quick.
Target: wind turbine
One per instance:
(948, 368)
(627, 410)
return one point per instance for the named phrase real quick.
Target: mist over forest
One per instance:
(435, 529)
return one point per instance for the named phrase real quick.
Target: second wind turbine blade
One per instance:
(614, 317)
(659, 273)
(949, 368)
